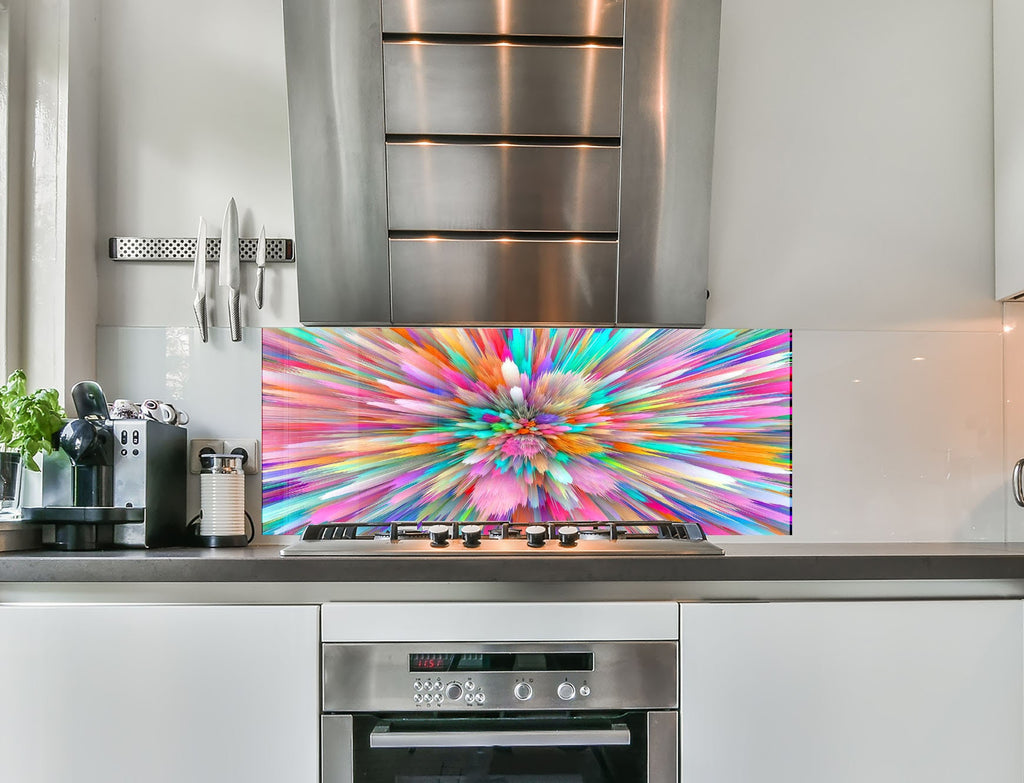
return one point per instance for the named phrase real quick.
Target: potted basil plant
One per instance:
(28, 423)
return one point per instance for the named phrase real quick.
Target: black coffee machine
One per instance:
(112, 482)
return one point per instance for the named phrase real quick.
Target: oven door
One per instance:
(631, 747)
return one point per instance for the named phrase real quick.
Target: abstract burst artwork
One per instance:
(527, 424)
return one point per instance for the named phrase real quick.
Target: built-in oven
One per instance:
(518, 712)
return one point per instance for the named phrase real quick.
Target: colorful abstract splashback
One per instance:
(527, 424)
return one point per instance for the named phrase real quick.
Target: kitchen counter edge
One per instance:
(742, 562)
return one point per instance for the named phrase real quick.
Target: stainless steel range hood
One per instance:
(502, 161)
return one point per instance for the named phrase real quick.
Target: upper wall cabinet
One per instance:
(502, 161)
(1008, 102)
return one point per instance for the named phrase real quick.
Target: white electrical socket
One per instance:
(250, 447)
(196, 446)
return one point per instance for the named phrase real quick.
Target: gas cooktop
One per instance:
(457, 539)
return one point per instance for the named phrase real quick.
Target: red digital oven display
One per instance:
(430, 662)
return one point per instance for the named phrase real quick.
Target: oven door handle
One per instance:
(383, 737)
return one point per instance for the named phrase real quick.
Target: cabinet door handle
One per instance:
(1018, 487)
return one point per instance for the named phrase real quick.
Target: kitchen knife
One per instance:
(229, 275)
(199, 281)
(261, 262)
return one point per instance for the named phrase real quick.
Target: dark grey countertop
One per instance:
(743, 562)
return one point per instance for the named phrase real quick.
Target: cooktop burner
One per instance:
(656, 538)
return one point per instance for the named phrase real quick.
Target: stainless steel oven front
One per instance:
(542, 712)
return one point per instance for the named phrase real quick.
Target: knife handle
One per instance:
(234, 317)
(258, 294)
(199, 306)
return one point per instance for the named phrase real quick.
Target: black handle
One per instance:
(90, 401)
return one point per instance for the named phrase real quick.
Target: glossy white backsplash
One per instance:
(897, 436)
(1013, 395)
(217, 383)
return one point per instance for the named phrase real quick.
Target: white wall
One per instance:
(852, 203)
(194, 112)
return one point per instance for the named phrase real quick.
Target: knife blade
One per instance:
(229, 273)
(261, 262)
(199, 281)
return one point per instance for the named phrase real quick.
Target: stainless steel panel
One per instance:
(336, 749)
(132, 478)
(671, 71)
(617, 734)
(663, 747)
(475, 281)
(596, 18)
(15, 536)
(376, 677)
(502, 549)
(150, 473)
(184, 249)
(502, 89)
(502, 187)
(336, 127)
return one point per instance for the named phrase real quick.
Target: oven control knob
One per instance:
(584, 690)
(471, 535)
(568, 535)
(453, 692)
(566, 691)
(535, 535)
(523, 691)
(438, 535)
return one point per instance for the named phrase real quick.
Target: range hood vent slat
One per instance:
(598, 18)
(491, 39)
(508, 141)
(511, 236)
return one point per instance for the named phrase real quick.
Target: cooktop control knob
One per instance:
(471, 535)
(438, 535)
(568, 535)
(566, 691)
(535, 535)
(453, 692)
(522, 691)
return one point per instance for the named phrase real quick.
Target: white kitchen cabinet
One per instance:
(1008, 128)
(850, 692)
(160, 694)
